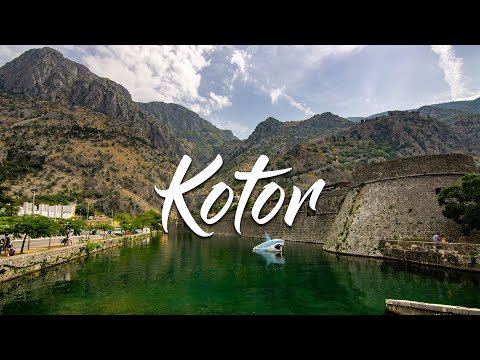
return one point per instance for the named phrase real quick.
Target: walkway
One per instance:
(56, 241)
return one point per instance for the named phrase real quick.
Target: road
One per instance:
(56, 240)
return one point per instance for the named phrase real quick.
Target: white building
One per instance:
(51, 211)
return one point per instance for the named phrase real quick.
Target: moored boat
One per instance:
(270, 245)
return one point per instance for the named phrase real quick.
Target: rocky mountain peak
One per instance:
(327, 119)
(45, 74)
(266, 128)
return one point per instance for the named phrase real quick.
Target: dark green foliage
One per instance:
(8, 224)
(8, 206)
(149, 218)
(92, 246)
(34, 226)
(55, 199)
(125, 221)
(85, 210)
(71, 226)
(462, 202)
(12, 170)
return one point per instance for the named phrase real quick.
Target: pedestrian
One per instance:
(436, 238)
(443, 238)
(8, 245)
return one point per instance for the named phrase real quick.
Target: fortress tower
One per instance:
(397, 200)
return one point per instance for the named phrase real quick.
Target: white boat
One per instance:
(275, 245)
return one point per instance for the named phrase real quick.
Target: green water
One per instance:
(180, 273)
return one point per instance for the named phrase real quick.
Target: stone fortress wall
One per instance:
(397, 200)
(309, 225)
(392, 200)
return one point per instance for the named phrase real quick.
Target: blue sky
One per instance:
(236, 87)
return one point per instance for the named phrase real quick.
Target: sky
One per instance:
(236, 87)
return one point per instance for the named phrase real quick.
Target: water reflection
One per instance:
(181, 273)
(272, 257)
(370, 281)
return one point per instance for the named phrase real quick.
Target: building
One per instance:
(50, 211)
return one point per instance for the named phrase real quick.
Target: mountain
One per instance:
(467, 106)
(447, 112)
(399, 134)
(182, 120)
(355, 118)
(276, 140)
(44, 74)
(377, 115)
(68, 131)
(451, 111)
(332, 155)
(446, 115)
(81, 154)
(201, 139)
(272, 137)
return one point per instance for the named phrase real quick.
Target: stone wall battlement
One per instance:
(426, 164)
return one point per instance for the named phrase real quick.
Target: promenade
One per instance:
(55, 242)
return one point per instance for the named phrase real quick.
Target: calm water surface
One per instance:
(181, 273)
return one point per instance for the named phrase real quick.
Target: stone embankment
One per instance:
(19, 265)
(405, 307)
(455, 256)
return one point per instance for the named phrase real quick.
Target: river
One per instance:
(181, 273)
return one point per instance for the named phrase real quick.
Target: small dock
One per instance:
(406, 307)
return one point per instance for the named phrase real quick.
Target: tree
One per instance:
(33, 226)
(84, 210)
(71, 226)
(149, 218)
(104, 227)
(54, 229)
(125, 221)
(462, 202)
(7, 224)
(8, 207)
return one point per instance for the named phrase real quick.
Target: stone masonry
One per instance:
(397, 200)
(309, 225)
(455, 256)
(19, 265)
(393, 200)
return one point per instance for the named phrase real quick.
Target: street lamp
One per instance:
(33, 201)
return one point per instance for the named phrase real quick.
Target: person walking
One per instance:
(436, 238)
(8, 245)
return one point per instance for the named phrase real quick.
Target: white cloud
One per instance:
(264, 66)
(240, 58)
(275, 93)
(299, 106)
(452, 70)
(8, 53)
(165, 73)
(313, 54)
(220, 101)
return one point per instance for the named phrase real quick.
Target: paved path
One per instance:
(56, 240)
